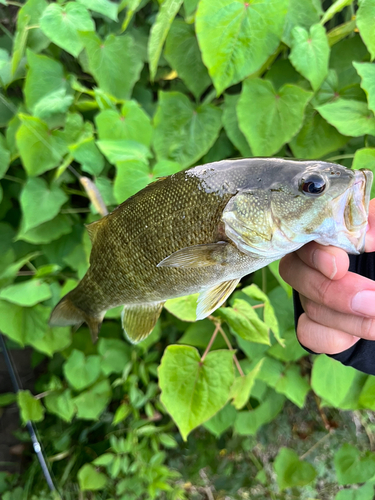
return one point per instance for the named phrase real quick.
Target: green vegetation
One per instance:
(123, 93)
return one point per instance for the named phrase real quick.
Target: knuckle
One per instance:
(322, 289)
(367, 329)
(285, 267)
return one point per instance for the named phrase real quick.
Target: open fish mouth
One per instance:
(356, 209)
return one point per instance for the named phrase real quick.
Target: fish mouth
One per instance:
(355, 213)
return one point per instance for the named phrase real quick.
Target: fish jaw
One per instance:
(350, 213)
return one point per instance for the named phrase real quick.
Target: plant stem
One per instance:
(210, 342)
(320, 441)
(231, 349)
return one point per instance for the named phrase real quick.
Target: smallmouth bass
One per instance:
(203, 229)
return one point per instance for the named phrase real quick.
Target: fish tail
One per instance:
(67, 313)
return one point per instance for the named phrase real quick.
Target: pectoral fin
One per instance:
(199, 256)
(211, 299)
(138, 320)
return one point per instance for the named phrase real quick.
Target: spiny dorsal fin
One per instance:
(198, 256)
(210, 300)
(92, 229)
(138, 320)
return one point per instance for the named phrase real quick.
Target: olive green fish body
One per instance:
(203, 229)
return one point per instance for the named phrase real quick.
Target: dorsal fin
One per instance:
(92, 229)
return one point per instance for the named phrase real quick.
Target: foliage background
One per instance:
(122, 93)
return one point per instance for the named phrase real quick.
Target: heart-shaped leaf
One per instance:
(183, 132)
(237, 37)
(81, 371)
(39, 202)
(61, 25)
(268, 118)
(194, 390)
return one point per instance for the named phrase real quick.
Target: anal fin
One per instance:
(211, 299)
(138, 320)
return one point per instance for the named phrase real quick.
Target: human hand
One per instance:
(339, 305)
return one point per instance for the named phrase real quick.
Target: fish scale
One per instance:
(203, 229)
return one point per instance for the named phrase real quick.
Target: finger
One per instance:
(352, 294)
(359, 326)
(330, 261)
(322, 339)
(370, 235)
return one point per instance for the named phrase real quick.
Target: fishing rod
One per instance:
(29, 425)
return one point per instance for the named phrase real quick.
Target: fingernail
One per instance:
(325, 263)
(364, 303)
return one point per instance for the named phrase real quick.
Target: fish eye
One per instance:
(313, 185)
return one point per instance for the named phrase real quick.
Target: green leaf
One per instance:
(132, 124)
(366, 397)
(269, 315)
(292, 351)
(242, 386)
(365, 158)
(159, 32)
(46, 86)
(316, 138)
(50, 340)
(334, 9)
(91, 403)
(88, 155)
(115, 354)
(39, 202)
(183, 132)
(7, 398)
(248, 422)
(183, 308)
(244, 321)
(310, 53)
(364, 15)
(114, 62)
(105, 7)
(350, 117)
(199, 334)
(302, 13)
(331, 380)
(27, 293)
(17, 321)
(351, 467)
(293, 386)
(163, 168)
(183, 54)
(61, 25)
(365, 492)
(221, 421)
(367, 73)
(31, 408)
(89, 478)
(291, 471)
(81, 371)
(48, 231)
(131, 177)
(123, 150)
(61, 404)
(4, 157)
(29, 15)
(231, 127)
(40, 149)
(236, 38)
(194, 390)
(121, 413)
(268, 118)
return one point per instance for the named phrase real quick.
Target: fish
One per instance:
(205, 228)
